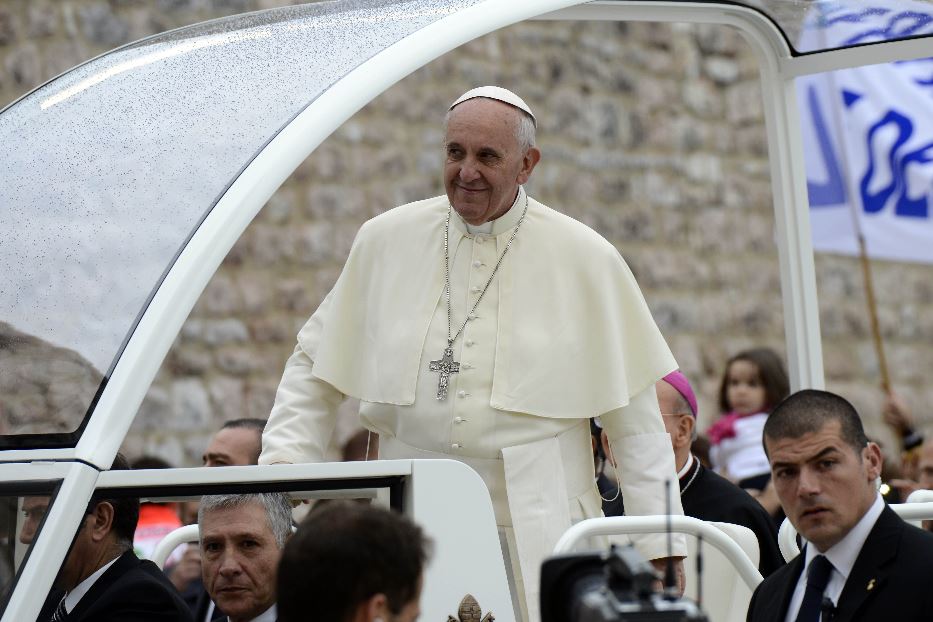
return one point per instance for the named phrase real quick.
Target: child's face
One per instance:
(744, 390)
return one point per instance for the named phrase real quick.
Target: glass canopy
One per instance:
(108, 169)
(819, 25)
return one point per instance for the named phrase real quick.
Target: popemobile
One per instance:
(125, 181)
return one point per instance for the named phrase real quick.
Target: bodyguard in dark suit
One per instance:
(862, 562)
(102, 579)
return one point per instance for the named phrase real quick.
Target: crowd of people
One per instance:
(485, 327)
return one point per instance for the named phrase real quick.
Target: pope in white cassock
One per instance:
(486, 327)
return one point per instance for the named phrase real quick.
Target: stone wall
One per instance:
(652, 134)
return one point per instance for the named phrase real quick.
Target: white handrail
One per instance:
(787, 536)
(175, 538)
(618, 525)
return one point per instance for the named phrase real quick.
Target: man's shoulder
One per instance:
(721, 495)
(916, 543)
(565, 233)
(134, 584)
(404, 216)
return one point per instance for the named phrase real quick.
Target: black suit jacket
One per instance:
(889, 581)
(132, 589)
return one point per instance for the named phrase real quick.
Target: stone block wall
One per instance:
(652, 134)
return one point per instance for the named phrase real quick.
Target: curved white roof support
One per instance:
(231, 215)
(196, 264)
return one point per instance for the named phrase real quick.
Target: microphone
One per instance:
(827, 609)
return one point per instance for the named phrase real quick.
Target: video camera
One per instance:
(616, 586)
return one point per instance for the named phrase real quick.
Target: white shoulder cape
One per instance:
(575, 336)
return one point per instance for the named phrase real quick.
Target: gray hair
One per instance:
(525, 134)
(277, 506)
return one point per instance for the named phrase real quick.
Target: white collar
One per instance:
(687, 466)
(494, 227)
(74, 596)
(843, 554)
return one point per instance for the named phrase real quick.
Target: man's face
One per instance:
(34, 508)
(925, 466)
(825, 486)
(485, 164)
(233, 447)
(239, 556)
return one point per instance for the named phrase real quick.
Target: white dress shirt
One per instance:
(842, 556)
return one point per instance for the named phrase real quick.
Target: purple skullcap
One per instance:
(677, 380)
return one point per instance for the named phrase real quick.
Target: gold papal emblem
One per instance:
(470, 612)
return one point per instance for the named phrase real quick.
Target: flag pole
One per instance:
(860, 238)
(873, 313)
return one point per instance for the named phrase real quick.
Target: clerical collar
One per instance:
(689, 473)
(500, 225)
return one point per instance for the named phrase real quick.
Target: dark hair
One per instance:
(807, 411)
(150, 462)
(125, 509)
(251, 423)
(345, 553)
(770, 370)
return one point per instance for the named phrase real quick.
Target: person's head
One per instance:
(237, 443)
(490, 151)
(34, 509)
(925, 465)
(755, 381)
(679, 411)
(241, 540)
(352, 562)
(823, 467)
(105, 532)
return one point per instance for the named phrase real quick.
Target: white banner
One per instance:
(868, 134)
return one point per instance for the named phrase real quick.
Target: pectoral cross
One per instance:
(446, 366)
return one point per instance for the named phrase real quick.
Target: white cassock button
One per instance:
(477, 263)
(475, 289)
(458, 419)
(466, 366)
(461, 393)
(469, 343)
(472, 316)
(479, 239)
(455, 446)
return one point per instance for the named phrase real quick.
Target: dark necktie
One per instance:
(60, 612)
(817, 578)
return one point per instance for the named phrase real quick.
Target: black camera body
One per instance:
(616, 586)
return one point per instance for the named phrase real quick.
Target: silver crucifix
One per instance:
(446, 366)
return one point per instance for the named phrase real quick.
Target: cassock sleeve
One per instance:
(645, 457)
(303, 417)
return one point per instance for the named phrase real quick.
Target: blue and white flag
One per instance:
(868, 134)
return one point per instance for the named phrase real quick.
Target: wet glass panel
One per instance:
(812, 26)
(108, 169)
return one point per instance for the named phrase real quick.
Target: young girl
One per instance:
(755, 382)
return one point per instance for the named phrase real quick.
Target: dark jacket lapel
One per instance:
(872, 565)
(774, 602)
(124, 564)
